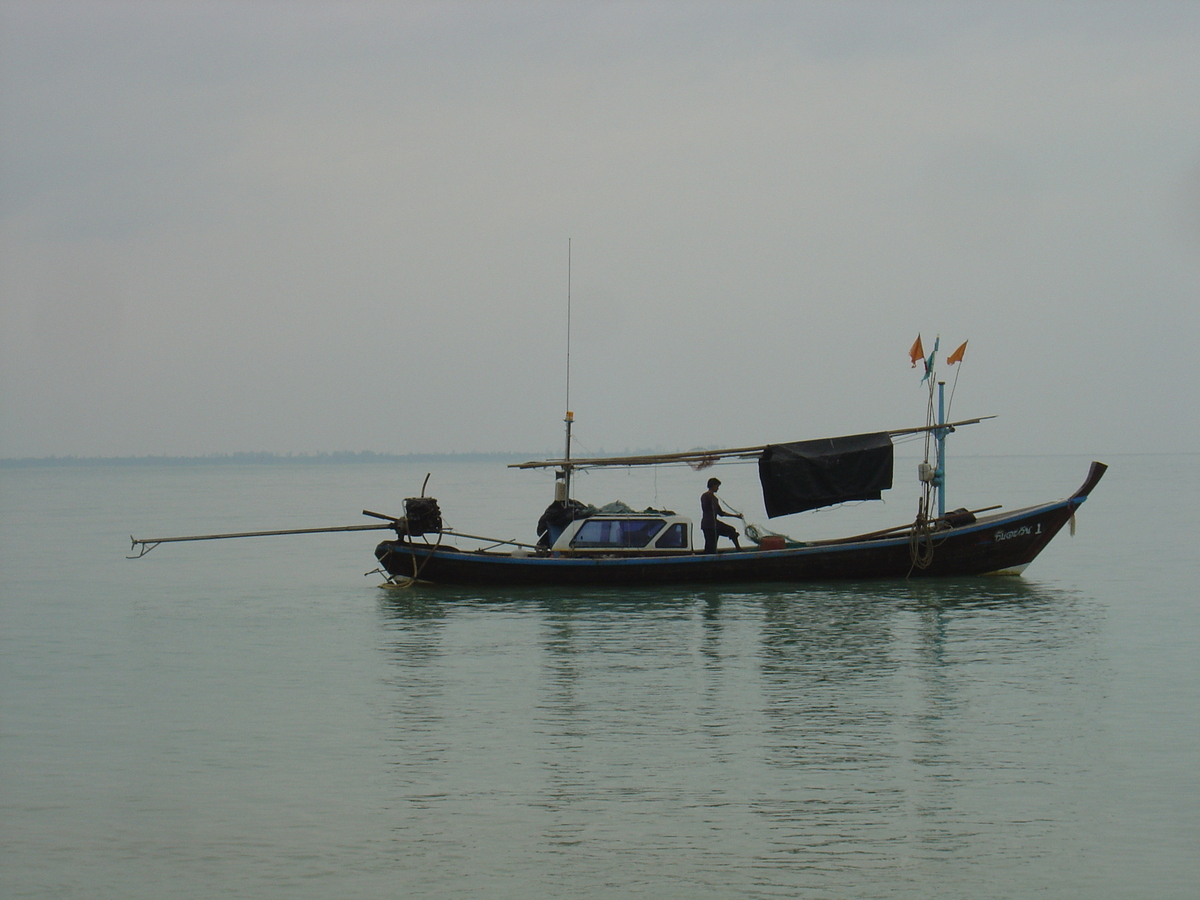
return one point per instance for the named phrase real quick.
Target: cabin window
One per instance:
(627, 534)
(674, 538)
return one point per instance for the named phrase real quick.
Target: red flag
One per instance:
(917, 353)
(957, 355)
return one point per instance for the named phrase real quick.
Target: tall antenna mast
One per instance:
(568, 329)
(562, 486)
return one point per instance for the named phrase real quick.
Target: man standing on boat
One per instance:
(713, 528)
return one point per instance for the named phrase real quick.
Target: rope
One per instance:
(920, 543)
(953, 388)
(920, 539)
(406, 582)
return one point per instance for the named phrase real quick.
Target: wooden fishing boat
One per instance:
(605, 548)
(654, 549)
(583, 546)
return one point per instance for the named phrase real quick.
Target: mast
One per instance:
(939, 478)
(933, 477)
(562, 478)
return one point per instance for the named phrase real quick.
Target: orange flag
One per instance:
(957, 355)
(917, 353)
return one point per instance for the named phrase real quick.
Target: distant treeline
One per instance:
(270, 459)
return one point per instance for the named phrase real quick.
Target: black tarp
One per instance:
(812, 474)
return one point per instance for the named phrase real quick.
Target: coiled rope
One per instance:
(920, 540)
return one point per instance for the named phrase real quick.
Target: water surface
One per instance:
(258, 719)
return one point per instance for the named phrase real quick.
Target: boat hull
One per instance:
(997, 544)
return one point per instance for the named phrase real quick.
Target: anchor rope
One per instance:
(407, 582)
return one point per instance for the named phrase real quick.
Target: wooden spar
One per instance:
(898, 529)
(150, 543)
(488, 540)
(691, 456)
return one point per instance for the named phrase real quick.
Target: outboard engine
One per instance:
(422, 515)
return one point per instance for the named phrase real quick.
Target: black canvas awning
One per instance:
(811, 474)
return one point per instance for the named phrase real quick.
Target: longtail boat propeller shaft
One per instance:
(148, 544)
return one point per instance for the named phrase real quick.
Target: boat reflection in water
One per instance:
(823, 727)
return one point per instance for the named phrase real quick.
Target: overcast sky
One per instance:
(306, 227)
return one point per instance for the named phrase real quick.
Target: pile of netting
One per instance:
(756, 533)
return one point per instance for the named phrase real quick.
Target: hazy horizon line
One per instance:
(255, 457)
(370, 456)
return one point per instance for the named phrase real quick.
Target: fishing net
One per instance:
(755, 533)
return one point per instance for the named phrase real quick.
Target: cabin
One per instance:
(632, 534)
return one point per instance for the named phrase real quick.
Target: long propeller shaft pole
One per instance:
(149, 544)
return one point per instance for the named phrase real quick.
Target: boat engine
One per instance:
(422, 515)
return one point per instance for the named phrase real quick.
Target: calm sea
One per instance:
(256, 718)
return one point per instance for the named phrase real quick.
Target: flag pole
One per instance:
(940, 434)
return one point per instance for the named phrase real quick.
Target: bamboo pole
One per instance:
(898, 529)
(149, 544)
(701, 455)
